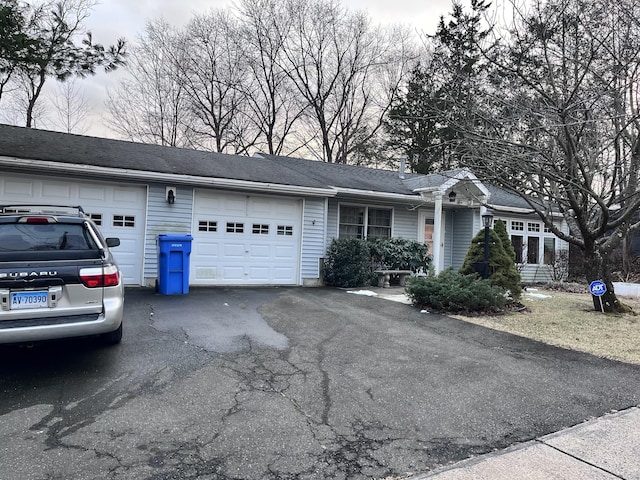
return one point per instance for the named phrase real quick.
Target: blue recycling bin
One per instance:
(173, 263)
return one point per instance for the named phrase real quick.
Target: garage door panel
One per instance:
(259, 273)
(17, 190)
(88, 193)
(58, 191)
(205, 249)
(260, 251)
(284, 251)
(234, 250)
(234, 273)
(282, 273)
(125, 196)
(205, 273)
(253, 252)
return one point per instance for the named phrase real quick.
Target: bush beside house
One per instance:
(351, 262)
(454, 292)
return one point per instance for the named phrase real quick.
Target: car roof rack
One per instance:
(42, 209)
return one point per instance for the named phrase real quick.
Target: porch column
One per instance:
(437, 232)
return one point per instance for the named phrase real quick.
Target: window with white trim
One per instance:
(96, 217)
(260, 229)
(533, 245)
(235, 227)
(549, 251)
(285, 230)
(364, 222)
(128, 221)
(207, 226)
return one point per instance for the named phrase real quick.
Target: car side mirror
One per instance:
(113, 242)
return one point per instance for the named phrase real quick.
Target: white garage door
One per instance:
(244, 240)
(119, 210)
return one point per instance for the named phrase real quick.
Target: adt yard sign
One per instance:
(597, 288)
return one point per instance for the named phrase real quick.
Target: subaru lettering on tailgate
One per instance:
(27, 274)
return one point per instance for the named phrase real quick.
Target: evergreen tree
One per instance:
(501, 229)
(502, 269)
(38, 43)
(428, 122)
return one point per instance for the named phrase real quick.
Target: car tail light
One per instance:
(107, 276)
(37, 220)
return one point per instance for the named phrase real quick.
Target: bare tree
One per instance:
(71, 107)
(151, 105)
(563, 124)
(214, 74)
(274, 105)
(333, 56)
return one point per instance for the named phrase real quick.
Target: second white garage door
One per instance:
(245, 240)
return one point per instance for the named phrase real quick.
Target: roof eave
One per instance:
(379, 195)
(147, 176)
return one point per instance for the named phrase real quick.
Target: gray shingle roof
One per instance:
(347, 176)
(76, 149)
(33, 144)
(65, 148)
(503, 198)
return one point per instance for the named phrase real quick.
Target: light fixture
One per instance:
(487, 219)
(452, 196)
(171, 195)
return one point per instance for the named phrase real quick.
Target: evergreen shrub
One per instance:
(347, 263)
(502, 268)
(351, 262)
(399, 254)
(454, 292)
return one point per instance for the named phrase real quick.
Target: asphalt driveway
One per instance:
(279, 383)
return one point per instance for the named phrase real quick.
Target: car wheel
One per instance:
(113, 338)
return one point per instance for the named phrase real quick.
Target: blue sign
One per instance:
(597, 288)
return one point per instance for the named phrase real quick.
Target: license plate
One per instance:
(29, 300)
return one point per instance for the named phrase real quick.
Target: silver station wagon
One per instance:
(58, 278)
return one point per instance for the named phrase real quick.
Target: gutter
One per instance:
(517, 210)
(40, 165)
(381, 195)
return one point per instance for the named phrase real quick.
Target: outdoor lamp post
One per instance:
(487, 219)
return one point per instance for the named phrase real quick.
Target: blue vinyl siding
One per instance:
(460, 232)
(165, 218)
(313, 239)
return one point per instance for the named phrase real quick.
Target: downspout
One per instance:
(438, 232)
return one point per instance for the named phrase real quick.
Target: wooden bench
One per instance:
(384, 276)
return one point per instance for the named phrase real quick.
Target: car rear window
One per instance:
(32, 237)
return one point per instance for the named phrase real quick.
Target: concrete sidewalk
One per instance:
(606, 448)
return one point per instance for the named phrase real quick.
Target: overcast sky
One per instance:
(112, 19)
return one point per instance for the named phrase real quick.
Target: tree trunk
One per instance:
(596, 267)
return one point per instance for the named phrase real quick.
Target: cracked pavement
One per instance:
(287, 383)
